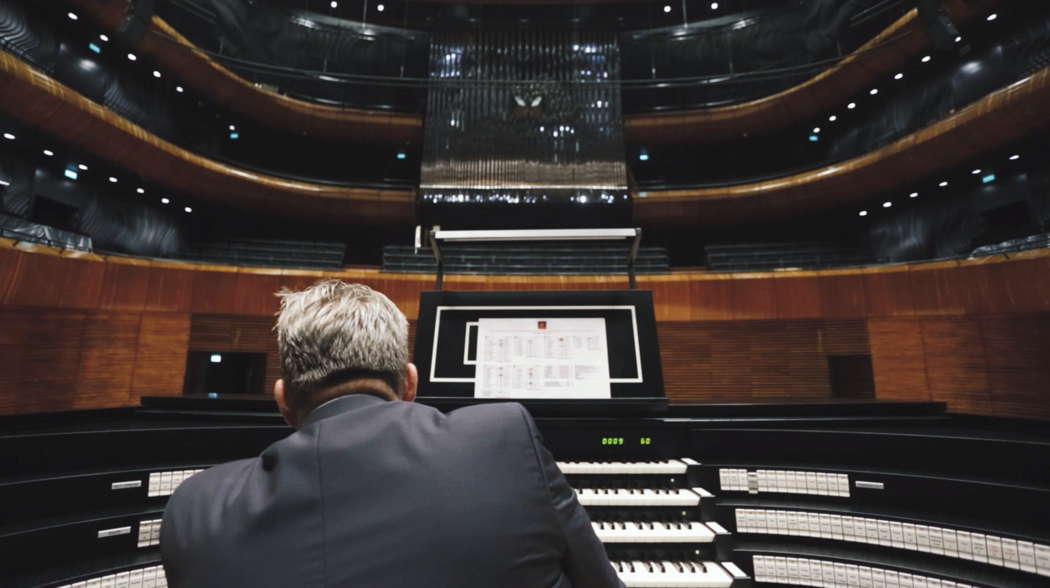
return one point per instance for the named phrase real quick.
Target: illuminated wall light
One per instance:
(9, 136)
(667, 8)
(217, 357)
(988, 179)
(132, 57)
(1015, 157)
(863, 213)
(94, 48)
(833, 118)
(887, 204)
(72, 15)
(926, 58)
(899, 76)
(976, 171)
(943, 184)
(71, 173)
(990, 18)
(112, 180)
(49, 153)
(140, 190)
(874, 91)
(401, 155)
(165, 201)
(913, 195)
(188, 210)
(179, 89)
(105, 38)
(82, 167)
(156, 74)
(851, 105)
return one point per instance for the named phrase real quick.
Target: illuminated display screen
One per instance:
(627, 440)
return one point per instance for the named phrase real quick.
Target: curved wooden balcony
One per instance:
(42, 102)
(199, 71)
(902, 41)
(994, 121)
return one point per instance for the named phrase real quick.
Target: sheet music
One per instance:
(542, 358)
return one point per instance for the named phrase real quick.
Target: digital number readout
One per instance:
(624, 440)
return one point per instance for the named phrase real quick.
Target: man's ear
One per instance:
(282, 403)
(411, 382)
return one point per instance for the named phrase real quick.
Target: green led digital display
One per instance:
(624, 441)
(645, 440)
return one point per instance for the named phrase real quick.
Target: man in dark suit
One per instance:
(372, 490)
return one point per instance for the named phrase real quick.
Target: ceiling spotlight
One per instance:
(334, 4)
(1015, 157)
(233, 127)
(943, 184)
(851, 105)
(72, 15)
(380, 7)
(913, 195)
(899, 76)
(714, 6)
(816, 129)
(132, 57)
(863, 213)
(156, 74)
(667, 8)
(104, 38)
(165, 201)
(49, 153)
(188, 210)
(958, 39)
(873, 91)
(990, 18)
(976, 171)
(926, 58)
(112, 180)
(9, 136)
(82, 167)
(833, 118)
(887, 204)
(140, 190)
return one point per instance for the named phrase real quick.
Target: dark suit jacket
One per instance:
(376, 494)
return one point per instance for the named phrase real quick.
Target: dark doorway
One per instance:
(851, 376)
(220, 372)
(55, 214)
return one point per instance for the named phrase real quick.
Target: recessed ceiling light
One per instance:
(816, 129)
(140, 190)
(72, 15)
(958, 39)
(851, 105)
(976, 171)
(887, 204)
(913, 195)
(863, 213)
(943, 184)
(104, 38)
(112, 180)
(873, 91)
(178, 89)
(833, 118)
(714, 6)
(132, 57)
(990, 18)
(9, 136)
(233, 127)
(1015, 157)
(49, 153)
(156, 74)
(82, 167)
(165, 201)
(334, 4)
(380, 7)
(899, 76)
(667, 8)
(188, 209)
(926, 58)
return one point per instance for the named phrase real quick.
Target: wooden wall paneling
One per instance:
(956, 364)
(10, 258)
(255, 289)
(753, 296)
(108, 348)
(898, 358)
(938, 289)
(712, 298)
(53, 279)
(39, 358)
(888, 291)
(170, 287)
(672, 297)
(215, 290)
(232, 333)
(125, 284)
(1026, 280)
(1018, 356)
(842, 294)
(160, 363)
(798, 295)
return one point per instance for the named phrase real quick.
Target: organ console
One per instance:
(884, 495)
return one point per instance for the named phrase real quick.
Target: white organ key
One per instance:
(671, 574)
(639, 532)
(671, 466)
(638, 497)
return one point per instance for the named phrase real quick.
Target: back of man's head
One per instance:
(334, 337)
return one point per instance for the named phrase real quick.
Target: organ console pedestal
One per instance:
(897, 495)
